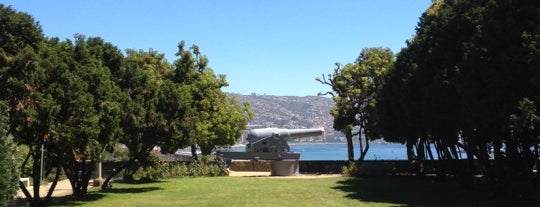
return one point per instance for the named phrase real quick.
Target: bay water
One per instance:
(338, 151)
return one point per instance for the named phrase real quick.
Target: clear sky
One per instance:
(273, 47)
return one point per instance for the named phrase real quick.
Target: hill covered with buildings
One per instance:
(293, 112)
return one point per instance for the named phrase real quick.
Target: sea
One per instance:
(338, 151)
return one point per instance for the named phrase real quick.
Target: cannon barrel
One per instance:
(299, 133)
(258, 134)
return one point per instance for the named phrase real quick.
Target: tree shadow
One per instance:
(71, 200)
(415, 192)
(132, 190)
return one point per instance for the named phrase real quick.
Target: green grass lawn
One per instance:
(254, 191)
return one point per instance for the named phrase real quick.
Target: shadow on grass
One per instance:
(71, 200)
(415, 192)
(132, 190)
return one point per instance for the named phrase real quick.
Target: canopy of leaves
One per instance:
(469, 78)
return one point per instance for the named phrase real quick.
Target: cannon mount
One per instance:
(271, 144)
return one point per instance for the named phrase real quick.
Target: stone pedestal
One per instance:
(98, 180)
(285, 168)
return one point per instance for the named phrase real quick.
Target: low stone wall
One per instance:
(250, 165)
(321, 166)
(325, 166)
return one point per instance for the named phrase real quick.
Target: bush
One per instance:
(155, 169)
(207, 167)
(152, 169)
(9, 174)
(351, 170)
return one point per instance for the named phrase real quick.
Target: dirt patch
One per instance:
(63, 188)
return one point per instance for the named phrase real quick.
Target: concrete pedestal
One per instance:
(98, 180)
(285, 167)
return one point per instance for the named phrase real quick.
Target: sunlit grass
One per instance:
(256, 191)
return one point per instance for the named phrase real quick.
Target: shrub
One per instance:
(9, 174)
(155, 169)
(208, 167)
(152, 169)
(351, 170)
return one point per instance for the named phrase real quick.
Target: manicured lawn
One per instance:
(253, 191)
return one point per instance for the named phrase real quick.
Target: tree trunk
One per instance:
(138, 160)
(35, 200)
(350, 149)
(48, 198)
(206, 150)
(115, 172)
(363, 149)
(194, 153)
(84, 179)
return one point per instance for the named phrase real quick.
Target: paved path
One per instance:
(63, 188)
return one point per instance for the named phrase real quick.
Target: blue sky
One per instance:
(273, 47)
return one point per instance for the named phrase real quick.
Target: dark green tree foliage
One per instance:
(468, 80)
(90, 112)
(21, 85)
(144, 122)
(213, 119)
(9, 173)
(62, 100)
(76, 99)
(343, 112)
(354, 90)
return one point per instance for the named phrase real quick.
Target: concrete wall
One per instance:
(325, 166)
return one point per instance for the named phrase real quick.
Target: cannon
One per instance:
(271, 144)
(275, 140)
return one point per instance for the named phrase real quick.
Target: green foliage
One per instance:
(155, 169)
(9, 173)
(152, 169)
(468, 80)
(119, 153)
(352, 169)
(213, 119)
(22, 154)
(354, 91)
(207, 167)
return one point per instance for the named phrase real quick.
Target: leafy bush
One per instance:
(207, 167)
(152, 169)
(176, 170)
(9, 174)
(351, 170)
(155, 169)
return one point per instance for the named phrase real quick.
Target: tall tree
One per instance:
(144, 124)
(214, 119)
(21, 81)
(89, 112)
(355, 88)
(469, 78)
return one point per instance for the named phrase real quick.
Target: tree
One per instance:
(469, 80)
(343, 112)
(21, 81)
(89, 103)
(355, 88)
(144, 123)
(9, 173)
(213, 119)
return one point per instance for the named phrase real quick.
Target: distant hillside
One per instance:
(291, 112)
